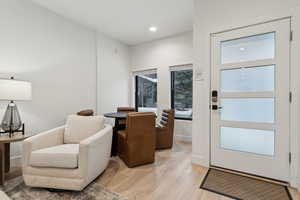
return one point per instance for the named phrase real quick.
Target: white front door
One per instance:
(250, 99)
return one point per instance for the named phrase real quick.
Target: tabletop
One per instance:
(119, 115)
(16, 137)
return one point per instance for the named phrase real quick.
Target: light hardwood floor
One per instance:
(171, 177)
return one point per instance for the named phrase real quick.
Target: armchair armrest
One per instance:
(94, 153)
(46, 139)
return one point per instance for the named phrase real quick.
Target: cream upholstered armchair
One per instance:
(68, 157)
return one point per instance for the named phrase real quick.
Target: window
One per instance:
(182, 91)
(146, 92)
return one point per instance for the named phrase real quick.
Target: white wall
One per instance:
(55, 54)
(62, 59)
(162, 54)
(214, 16)
(113, 75)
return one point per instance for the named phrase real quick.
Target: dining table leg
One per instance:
(114, 147)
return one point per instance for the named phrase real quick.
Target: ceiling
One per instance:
(128, 20)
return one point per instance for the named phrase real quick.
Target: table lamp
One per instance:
(13, 90)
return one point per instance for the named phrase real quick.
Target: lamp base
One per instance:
(12, 121)
(11, 132)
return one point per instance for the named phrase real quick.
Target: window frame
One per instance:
(173, 88)
(135, 76)
(136, 93)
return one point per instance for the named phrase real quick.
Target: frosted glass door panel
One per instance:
(259, 110)
(254, 79)
(248, 140)
(258, 47)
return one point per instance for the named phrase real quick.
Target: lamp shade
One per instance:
(11, 89)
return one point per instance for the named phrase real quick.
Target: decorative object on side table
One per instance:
(13, 90)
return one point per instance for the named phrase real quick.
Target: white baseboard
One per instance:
(183, 138)
(294, 182)
(16, 161)
(199, 160)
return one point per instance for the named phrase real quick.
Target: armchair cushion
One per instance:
(79, 128)
(61, 156)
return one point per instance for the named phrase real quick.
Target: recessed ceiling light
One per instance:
(153, 29)
(242, 49)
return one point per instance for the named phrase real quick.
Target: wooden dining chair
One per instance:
(165, 130)
(122, 122)
(126, 109)
(136, 144)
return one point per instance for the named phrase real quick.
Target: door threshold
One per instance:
(270, 180)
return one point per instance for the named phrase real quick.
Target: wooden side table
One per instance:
(5, 141)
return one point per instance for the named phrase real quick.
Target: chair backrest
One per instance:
(88, 112)
(126, 109)
(167, 119)
(140, 126)
(79, 128)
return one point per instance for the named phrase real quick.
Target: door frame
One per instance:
(295, 103)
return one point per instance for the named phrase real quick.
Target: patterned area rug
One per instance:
(17, 190)
(241, 187)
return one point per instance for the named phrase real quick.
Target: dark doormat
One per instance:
(241, 187)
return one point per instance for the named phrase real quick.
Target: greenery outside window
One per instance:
(182, 92)
(146, 92)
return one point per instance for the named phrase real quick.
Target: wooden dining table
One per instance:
(117, 116)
